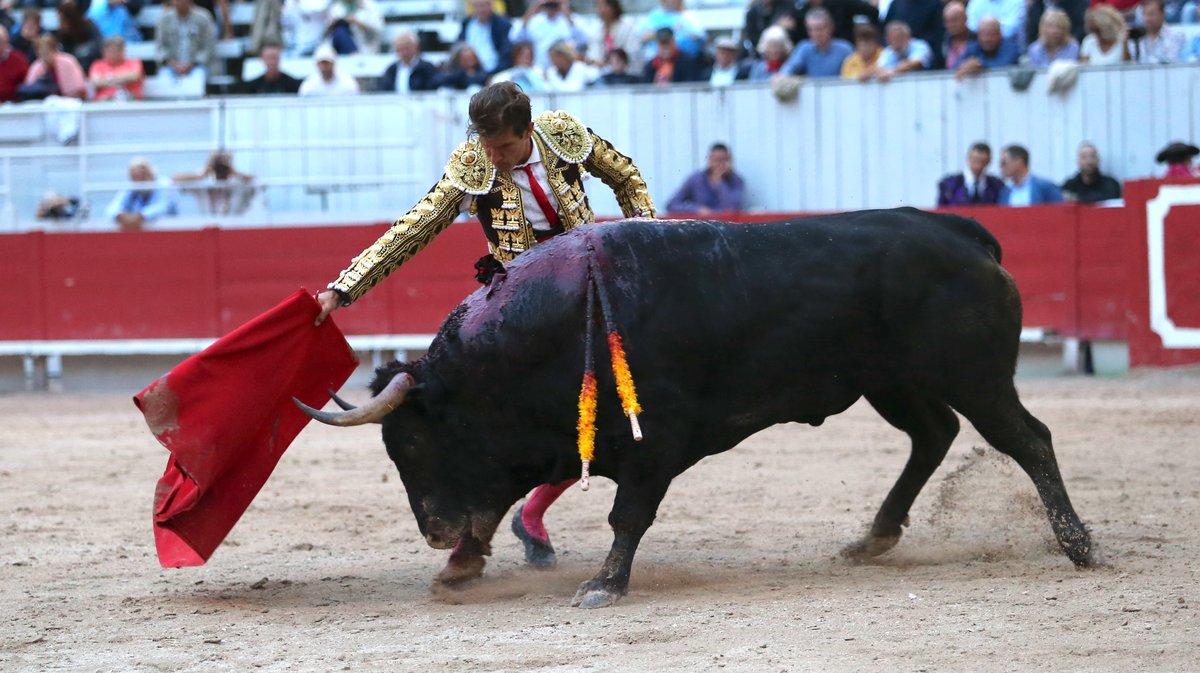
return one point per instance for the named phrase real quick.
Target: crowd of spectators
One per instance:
(865, 40)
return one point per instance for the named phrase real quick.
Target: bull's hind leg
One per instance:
(1007, 425)
(932, 426)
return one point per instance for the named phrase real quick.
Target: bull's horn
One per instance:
(371, 412)
(346, 406)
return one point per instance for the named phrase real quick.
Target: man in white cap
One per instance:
(726, 69)
(327, 81)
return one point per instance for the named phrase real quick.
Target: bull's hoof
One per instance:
(538, 554)
(1092, 558)
(460, 570)
(869, 547)
(590, 595)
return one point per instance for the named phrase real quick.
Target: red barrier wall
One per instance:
(1072, 264)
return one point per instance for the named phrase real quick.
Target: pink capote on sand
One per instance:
(226, 415)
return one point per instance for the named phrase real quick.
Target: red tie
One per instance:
(540, 196)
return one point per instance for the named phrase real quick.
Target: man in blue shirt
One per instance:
(821, 55)
(1022, 188)
(487, 33)
(990, 49)
(148, 201)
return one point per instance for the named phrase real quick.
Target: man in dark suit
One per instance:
(410, 72)
(973, 186)
(487, 33)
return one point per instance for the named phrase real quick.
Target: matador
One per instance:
(523, 178)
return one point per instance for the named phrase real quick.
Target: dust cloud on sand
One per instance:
(741, 571)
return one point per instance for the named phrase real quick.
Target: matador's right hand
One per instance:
(329, 301)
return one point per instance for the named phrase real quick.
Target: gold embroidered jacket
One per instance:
(566, 147)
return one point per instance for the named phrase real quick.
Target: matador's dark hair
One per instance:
(498, 108)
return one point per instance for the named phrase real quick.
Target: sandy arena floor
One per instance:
(326, 570)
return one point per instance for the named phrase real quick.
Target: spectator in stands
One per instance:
(990, 50)
(143, 203)
(716, 189)
(974, 186)
(567, 72)
(112, 17)
(1191, 52)
(616, 72)
(1105, 41)
(304, 23)
(355, 26)
(844, 14)
(219, 188)
(25, 40)
(689, 34)
(616, 31)
(1178, 158)
(726, 69)
(547, 22)
(13, 67)
(77, 34)
(54, 73)
(1021, 187)
(822, 54)
(115, 77)
(523, 72)
(1074, 9)
(487, 33)
(273, 80)
(462, 70)
(327, 81)
(185, 43)
(775, 47)
(863, 64)
(410, 72)
(904, 52)
(671, 64)
(958, 36)
(1089, 185)
(924, 20)
(1054, 41)
(762, 14)
(1009, 13)
(1161, 43)
(267, 25)
(219, 11)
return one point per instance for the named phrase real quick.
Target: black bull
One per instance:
(729, 329)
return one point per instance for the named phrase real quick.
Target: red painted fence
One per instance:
(1074, 265)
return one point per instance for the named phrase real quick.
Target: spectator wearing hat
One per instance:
(863, 64)
(974, 186)
(1161, 43)
(904, 52)
(13, 66)
(726, 69)
(1089, 185)
(990, 50)
(774, 46)
(670, 64)
(822, 54)
(1023, 188)
(327, 81)
(714, 189)
(1178, 158)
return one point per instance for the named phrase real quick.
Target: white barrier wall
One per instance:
(841, 145)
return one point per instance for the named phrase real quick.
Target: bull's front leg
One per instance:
(633, 511)
(466, 561)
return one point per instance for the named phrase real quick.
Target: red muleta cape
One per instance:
(226, 415)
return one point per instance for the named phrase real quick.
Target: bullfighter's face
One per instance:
(508, 150)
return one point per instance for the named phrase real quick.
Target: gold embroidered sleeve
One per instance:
(618, 172)
(432, 214)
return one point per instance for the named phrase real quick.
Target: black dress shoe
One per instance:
(538, 554)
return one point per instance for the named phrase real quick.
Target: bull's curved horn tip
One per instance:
(346, 406)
